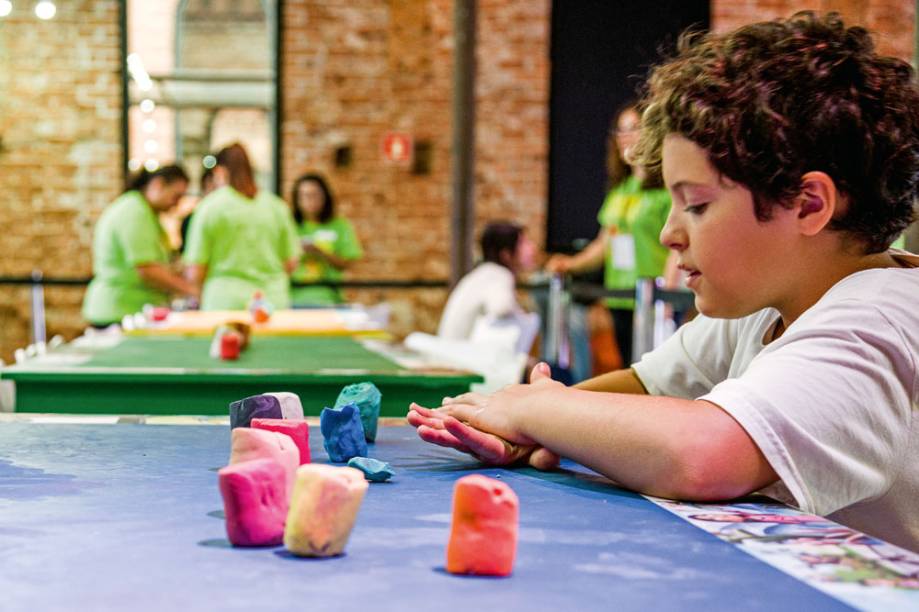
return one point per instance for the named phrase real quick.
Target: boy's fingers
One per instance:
(463, 412)
(441, 438)
(475, 399)
(544, 459)
(487, 447)
(541, 371)
(416, 419)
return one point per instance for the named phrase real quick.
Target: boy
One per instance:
(791, 151)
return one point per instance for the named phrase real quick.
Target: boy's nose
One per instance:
(672, 236)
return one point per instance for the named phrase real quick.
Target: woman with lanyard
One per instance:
(131, 252)
(329, 242)
(241, 240)
(631, 219)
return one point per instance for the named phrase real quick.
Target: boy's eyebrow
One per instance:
(684, 183)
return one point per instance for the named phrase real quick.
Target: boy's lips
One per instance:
(691, 274)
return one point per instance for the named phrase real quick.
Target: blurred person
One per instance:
(631, 218)
(241, 240)
(131, 251)
(489, 290)
(206, 186)
(329, 242)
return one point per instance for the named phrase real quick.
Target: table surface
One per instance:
(344, 321)
(119, 517)
(176, 375)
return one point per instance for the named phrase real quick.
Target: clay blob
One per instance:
(343, 433)
(366, 397)
(291, 407)
(255, 502)
(254, 407)
(483, 532)
(299, 432)
(323, 509)
(374, 470)
(247, 444)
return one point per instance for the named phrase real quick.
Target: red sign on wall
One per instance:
(398, 147)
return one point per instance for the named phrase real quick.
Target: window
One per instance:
(201, 75)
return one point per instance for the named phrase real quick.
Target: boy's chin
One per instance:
(715, 309)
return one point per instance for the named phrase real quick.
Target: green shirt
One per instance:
(335, 236)
(244, 243)
(128, 234)
(635, 249)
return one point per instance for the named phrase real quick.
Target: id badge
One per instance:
(622, 249)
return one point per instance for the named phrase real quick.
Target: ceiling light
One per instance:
(45, 10)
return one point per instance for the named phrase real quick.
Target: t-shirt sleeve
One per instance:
(691, 361)
(348, 245)
(828, 404)
(140, 239)
(198, 250)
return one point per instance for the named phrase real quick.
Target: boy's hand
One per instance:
(443, 430)
(484, 426)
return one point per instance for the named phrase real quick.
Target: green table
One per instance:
(175, 375)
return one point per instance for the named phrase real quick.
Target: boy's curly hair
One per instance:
(774, 100)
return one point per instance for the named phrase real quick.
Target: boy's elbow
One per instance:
(711, 470)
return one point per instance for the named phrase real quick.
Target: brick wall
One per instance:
(60, 109)
(891, 21)
(354, 70)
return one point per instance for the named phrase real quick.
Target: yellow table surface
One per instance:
(312, 322)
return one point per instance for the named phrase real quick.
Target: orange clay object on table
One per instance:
(259, 309)
(483, 533)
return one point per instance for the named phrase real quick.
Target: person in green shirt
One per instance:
(329, 242)
(131, 252)
(241, 240)
(631, 219)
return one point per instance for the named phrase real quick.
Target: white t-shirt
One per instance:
(833, 403)
(487, 290)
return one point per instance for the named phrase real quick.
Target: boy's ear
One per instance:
(816, 203)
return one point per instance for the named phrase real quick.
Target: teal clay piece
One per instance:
(367, 398)
(374, 470)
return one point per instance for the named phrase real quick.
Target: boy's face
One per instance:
(734, 263)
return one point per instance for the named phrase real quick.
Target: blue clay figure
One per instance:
(374, 470)
(255, 407)
(342, 432)
(367, 398)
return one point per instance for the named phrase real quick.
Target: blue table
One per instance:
(128, 517)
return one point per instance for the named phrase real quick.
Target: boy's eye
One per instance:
(696, 209)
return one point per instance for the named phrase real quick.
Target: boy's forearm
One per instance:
(617, 381)
(661, 446)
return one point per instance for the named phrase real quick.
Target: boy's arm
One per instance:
(617, 381)
(668, 447)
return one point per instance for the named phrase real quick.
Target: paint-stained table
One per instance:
(163, 374)
(128, 517)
